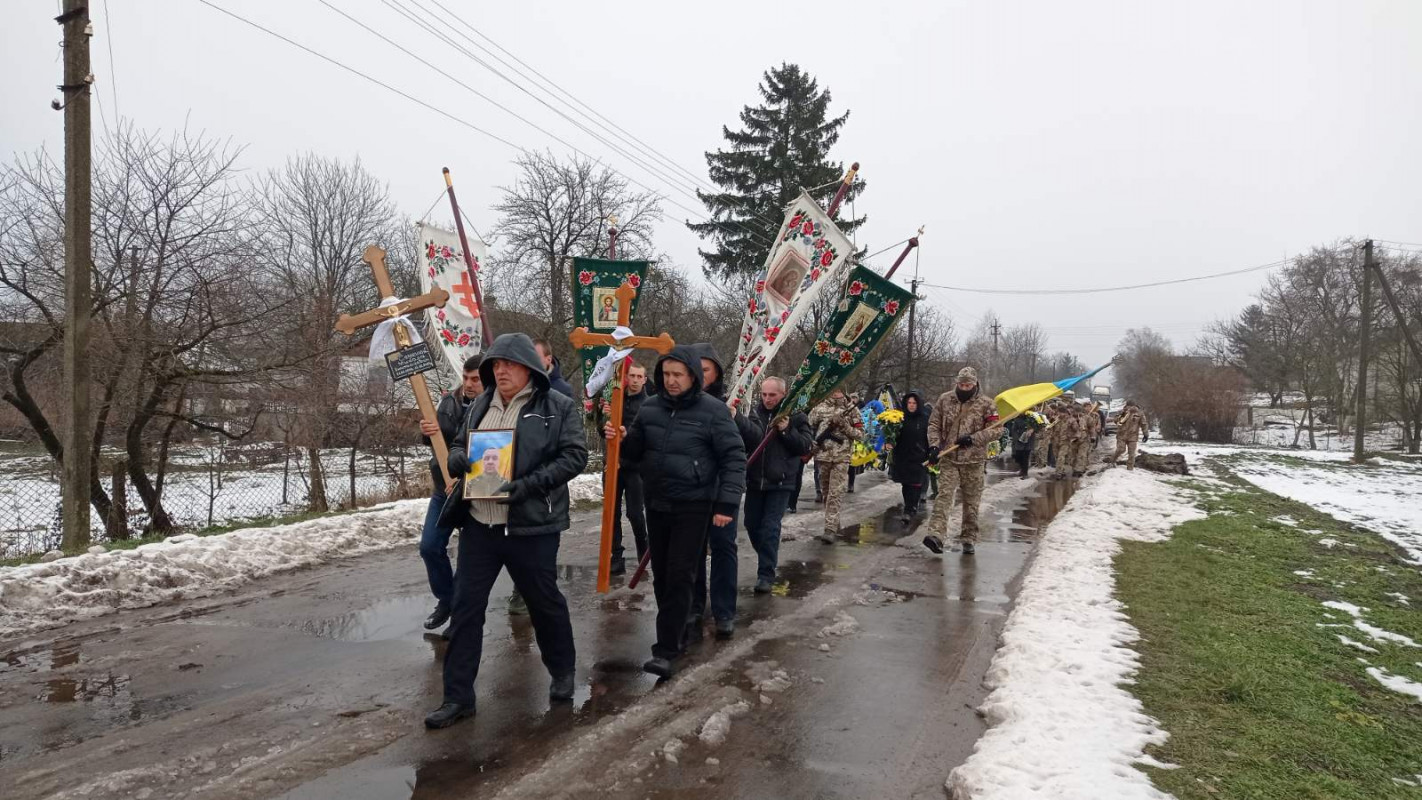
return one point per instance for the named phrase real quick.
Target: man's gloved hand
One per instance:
(517, 491)
(934, 453)
(964, 441)
(458, 463)
(1145, 437)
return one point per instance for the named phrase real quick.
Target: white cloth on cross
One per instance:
(605, 367)
(383, 340)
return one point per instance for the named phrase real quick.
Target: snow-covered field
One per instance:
(1062, 725)
(38, 596)
(1383, 495)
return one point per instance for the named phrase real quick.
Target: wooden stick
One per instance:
(843, 189)
(485, 331)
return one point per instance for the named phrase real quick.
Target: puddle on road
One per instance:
(42, 659)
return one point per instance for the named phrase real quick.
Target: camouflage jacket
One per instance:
(1092, 420)
(1131, 424)
(835, 426)
(953, 418)
(1070, 426)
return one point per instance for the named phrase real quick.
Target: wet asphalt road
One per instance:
(313, 684)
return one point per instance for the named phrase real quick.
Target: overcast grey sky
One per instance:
(1044, 144)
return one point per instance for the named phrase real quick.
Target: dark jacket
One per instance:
(549, 448)
(555, 377)
(449, 414)
(1023, 432)
(779, 462)
(751, 433)
(911, 448)
(687, 448)
(631, 405)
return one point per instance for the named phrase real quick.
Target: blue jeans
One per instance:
(434, 549)
(721, 541)
(764, 513)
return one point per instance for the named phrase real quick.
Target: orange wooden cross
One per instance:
(436, 298)
(583, 338)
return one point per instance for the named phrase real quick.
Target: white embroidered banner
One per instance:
(457, 326)
(810, 254)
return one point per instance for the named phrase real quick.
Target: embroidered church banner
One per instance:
(809, 254)
(595, 282)
(457, 326)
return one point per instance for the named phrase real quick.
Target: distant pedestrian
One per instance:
(963, 420)
(770, 481)
(1131, 427)
(519, 533)
(910, 451)
(836, 426)
(693, 467)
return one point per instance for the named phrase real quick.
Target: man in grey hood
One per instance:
(520, 532)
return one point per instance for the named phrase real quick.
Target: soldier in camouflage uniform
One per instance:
(963, 419)
(1043, 442)
(1091, 423)
(1131, 427)
(836, 425)
(1069, 433)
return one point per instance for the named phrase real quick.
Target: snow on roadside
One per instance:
(38, 596)
(1062, 725)
(586, 487)
(1380, 496)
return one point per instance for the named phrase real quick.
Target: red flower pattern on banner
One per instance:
(634, 281)
(752, 305)
(856, 288)
(827, 258)
(463, 340)
(891, 308)
(448, 336)
(784, 315)
(808, 228)
(814, 274)
(822, 346)
(771, 333)
(430, 251)
(759, 286)
(445, 252)
(585, 278)
(846, 357)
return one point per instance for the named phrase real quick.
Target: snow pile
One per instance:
(1397, 683)
(38, 596)
(843, 625)
(1375, 633)
(1057, 679)
(585, 488)
(718, 726)
(1380, 496)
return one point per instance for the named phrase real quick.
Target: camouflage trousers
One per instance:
(1085, 448)
(834, 477)
(1125, 446)
(965, 480)
(1067, 454)
(1039, 450)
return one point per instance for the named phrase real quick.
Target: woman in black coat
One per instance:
(910, 451)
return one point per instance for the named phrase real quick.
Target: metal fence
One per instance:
(206, 486)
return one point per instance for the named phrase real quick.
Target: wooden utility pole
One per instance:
(1365, 325)
(78, 293)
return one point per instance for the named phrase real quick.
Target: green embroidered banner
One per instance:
(868, 310)
(595, 280)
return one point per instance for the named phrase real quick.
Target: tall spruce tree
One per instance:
(783, 147)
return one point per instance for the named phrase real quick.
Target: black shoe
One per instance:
(695, 630)
(447, 715)
(725, 628)
(438, 617)
(790, 510)
(968, 548)
(1078, 474)
(660, 667)
(762, 586)
(851, 490)
(619, 567)
(819, 498)
(562, 688)
(933, 543)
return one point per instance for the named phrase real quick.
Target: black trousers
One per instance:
(677, 540)
(629, 485)
(912, 496)
(532, 562)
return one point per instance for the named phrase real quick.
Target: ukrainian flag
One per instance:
(1015, 401)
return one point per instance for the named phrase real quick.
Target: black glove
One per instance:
(516, 490)
(1145, 437)
(934, 453)
(964, 441)
(458, 463)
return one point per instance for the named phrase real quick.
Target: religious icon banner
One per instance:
(595, 282)
(457, 326)
(809, 255)
(869, 309)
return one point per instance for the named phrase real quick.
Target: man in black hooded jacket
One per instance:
(693, 467)
(771, 479)
(721, 539)
(521, 532)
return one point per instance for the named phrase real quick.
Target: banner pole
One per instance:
(486, 332)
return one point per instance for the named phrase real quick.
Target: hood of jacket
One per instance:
(687, 355)
(903, 403)
(518, 348)
(717, 389)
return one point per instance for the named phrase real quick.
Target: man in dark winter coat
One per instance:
(520, 532)
(771, 479)
(906, 464)
(552, 367)
(693, 467)
(434, 538)
(721, 539)
(629, 481)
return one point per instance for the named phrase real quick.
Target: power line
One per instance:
(113, 75)
(439, 110)
(1108, 288)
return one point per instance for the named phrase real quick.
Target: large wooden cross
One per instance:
(663, 344)
(434, 298)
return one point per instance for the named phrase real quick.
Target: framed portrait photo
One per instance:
(491, 463)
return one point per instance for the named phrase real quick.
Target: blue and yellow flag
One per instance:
(1014, 401)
